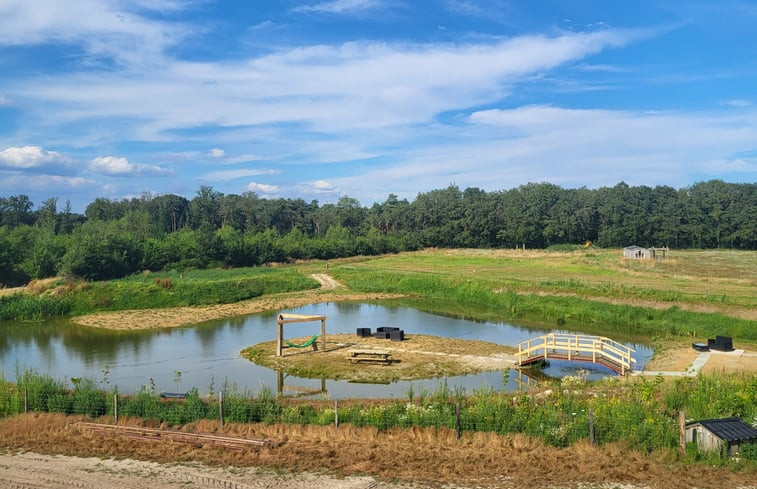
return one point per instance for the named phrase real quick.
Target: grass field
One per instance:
(693, 294)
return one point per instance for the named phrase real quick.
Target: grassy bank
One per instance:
(153, 291)
(527, 288)
(692, 294)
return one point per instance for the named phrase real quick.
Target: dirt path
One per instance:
(36, 471)
(319, 457)
(747, 313)
(327, 281)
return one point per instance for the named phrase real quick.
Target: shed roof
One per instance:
(728, 429)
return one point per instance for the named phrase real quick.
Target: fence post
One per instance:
(220, 406)
(26, 399)
(115, 407)
(591, 426)
(457, 420)
(336, 415)
(682, 427)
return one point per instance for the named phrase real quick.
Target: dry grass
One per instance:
(420, 455)
(418, 357)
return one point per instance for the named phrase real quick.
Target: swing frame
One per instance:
(285, 318)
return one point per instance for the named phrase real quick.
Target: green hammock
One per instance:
(304, 345)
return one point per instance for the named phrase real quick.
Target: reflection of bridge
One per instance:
(580, 348)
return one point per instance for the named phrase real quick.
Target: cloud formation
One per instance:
(340, 6)
(120, 166)
(223, 175)
(262, 188)
(26, 157)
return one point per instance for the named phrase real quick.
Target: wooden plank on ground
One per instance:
(152, 434)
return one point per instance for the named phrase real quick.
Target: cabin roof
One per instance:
(728, 429)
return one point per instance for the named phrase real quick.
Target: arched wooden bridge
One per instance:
(580, 348)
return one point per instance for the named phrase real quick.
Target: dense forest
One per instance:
(115, 238)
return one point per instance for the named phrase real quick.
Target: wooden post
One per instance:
(115, 407)
(457, 420)
(682, 427)
(279, 339)
(591, 426)
(220, 408)
(336, 415)
(323, 334)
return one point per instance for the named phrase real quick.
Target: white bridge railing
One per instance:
(597, 349)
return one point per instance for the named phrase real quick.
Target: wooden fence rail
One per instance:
(596, 349)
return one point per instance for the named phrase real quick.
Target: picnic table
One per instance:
(377, 356)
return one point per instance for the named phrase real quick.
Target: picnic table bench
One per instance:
(378, 356)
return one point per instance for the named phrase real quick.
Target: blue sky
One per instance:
(325, 98)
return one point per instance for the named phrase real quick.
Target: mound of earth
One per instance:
(417, 357)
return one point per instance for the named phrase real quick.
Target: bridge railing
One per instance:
(577, 347)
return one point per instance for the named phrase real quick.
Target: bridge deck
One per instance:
(581, 348)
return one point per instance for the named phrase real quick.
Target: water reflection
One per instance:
(207, 354)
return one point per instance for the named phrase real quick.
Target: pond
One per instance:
(206, 356)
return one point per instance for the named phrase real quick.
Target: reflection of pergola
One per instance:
(297, 318)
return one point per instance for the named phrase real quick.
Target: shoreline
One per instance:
(174, 317)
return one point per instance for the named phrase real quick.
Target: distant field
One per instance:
(724, 281)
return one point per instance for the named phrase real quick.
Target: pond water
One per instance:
(206, 355)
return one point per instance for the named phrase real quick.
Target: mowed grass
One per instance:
(695, 277)
(690, 294)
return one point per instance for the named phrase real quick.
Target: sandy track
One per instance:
(184, 316)
(36, 471)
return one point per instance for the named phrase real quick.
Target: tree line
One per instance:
(115, 238)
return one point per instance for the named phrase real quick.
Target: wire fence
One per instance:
(557, 425)
(646, 418)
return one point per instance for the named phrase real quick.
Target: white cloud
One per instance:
(340, 6)
(4, 100)
(99, 28)
(222, 175)
(120, 166)
(738, 103)
(26, 157)
(262, 188)
(12, 182)
(500, 149)
(216, 153)
(323, 186)
(321, 88)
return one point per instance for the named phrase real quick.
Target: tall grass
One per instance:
(157, 290)
(24, 307)
(642, 413)
(481, 299)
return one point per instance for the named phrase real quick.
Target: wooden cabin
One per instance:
(639, 253)
(724, 435)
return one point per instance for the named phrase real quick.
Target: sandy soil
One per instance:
(320, 456)
(672, 358)
(32, 470)
(735, 361)
(679, 357)
(184, 316)
(418, 357)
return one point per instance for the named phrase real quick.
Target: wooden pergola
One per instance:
(297, 318)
